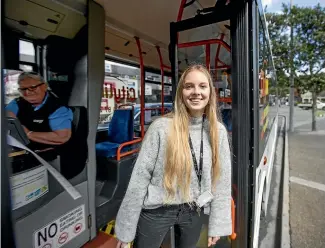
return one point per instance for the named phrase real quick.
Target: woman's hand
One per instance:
(212, 241)
(121, 244)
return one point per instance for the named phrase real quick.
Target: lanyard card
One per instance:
(204, 198)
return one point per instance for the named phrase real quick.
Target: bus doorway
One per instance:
(218, 38)
(208, 45)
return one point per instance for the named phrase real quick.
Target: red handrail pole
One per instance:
(223, 66)
(233, 235)
(142, 86)
(222, 63)
(207, 56)
(180, 13)
(167, 67)
(119, 149)
(162, 79)
(204, 42)
(181, 10)
(217, 55)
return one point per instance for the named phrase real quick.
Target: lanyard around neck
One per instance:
(198, 168)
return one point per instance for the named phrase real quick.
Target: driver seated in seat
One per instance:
(45, 120)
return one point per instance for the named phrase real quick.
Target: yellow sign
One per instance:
(266, 89)
(265, 125)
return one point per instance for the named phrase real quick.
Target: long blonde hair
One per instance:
(178, 167)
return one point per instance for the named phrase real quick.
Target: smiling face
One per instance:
(196, 92)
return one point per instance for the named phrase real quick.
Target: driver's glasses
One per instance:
(31, 88)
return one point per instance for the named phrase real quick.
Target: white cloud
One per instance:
(274, 4)
(267, 2)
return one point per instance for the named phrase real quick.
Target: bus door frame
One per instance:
(245, 115)
(96, 77)
(7, 234)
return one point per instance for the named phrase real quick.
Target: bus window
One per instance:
(153, 93)
(121, 86)
(119, 76)
(26, 51)
(26, 56)
(26, 63)
(11, 86)
(267, 89)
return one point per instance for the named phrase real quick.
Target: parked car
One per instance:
(319, 105)
(153, 112)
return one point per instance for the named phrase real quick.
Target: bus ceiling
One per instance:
(150, 21)
(53, 17)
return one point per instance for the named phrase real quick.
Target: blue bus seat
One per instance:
(120, 131)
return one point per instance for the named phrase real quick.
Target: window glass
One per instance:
(26, 55)
(26, 51)
(121, 86)
(11, 85)
(153, 91)
(11, 82)
(268, 100)
(25, 67)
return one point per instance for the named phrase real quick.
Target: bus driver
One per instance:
(45, 120)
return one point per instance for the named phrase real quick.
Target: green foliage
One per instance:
(312, 82)
(308, 46)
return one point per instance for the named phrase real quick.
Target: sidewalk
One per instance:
(307, 186)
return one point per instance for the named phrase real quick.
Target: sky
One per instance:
(276, 5)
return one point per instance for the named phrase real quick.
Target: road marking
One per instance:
(308, 183)
(308, 132)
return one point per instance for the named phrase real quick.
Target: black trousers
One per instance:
(154, 224)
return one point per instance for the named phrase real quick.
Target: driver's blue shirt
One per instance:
(58, 120)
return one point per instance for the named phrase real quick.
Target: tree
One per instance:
(308, 46)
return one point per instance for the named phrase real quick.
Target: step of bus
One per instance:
(102, 240)
(99, 186)
(101, 200)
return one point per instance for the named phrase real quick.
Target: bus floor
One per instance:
(104, 240)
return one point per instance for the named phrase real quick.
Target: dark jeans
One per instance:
(154, 224)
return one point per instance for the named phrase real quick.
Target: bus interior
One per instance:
(99, 58)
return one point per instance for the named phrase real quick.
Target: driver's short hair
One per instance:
(33, 75)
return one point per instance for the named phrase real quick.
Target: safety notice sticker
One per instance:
(28, 186)
(59, 232)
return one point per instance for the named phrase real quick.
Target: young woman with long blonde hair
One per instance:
(182, 172)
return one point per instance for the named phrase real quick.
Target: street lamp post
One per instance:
(292, 89)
